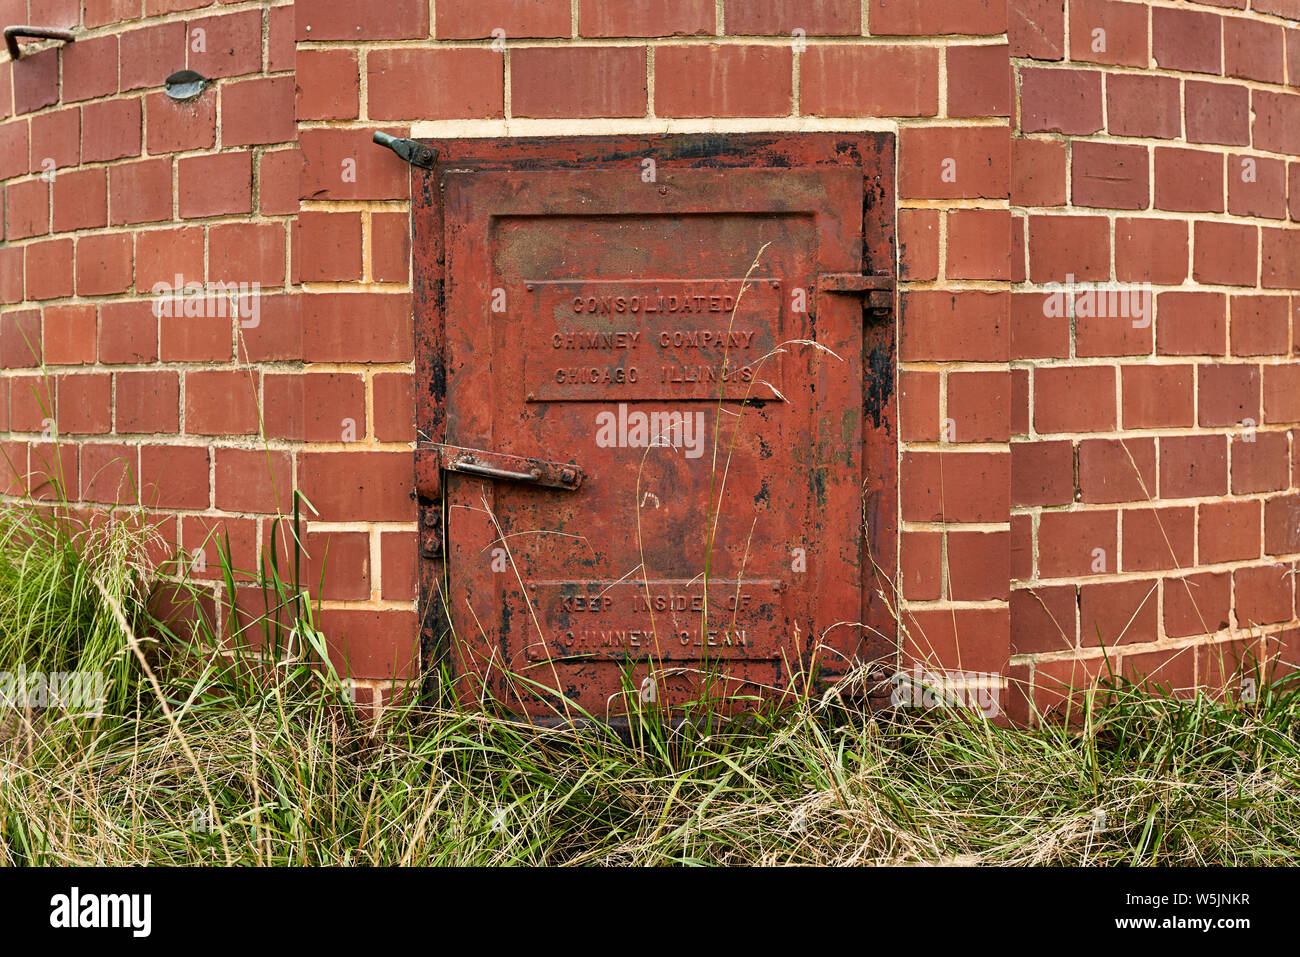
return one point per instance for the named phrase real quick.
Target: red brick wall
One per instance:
(1026, 442)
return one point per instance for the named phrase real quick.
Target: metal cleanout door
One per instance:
(651, 423)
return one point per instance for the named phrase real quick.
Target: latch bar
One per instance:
(878, 290)
(431, 459)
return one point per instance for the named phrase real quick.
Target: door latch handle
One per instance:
(877, 290)
(432, 459)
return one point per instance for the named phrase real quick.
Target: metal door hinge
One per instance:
(878, 290)
(432, 459)
(417, 154)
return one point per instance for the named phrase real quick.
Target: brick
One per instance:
(956, 486)
(397, 560)
(1260, 325)
(1197, 604)
(1110, 176)
(1277, 122)
(1191, 323)
(1065, 246)
(257, 112)
(1114, 470)
(254, 480)
(578, 81)
(358, 486)
(1036, 28)
(1225, 254)
(151, 54)
(723, 81)
(1217, 113)
(56, 140)
(11, 274)
(280, 41)
(54, 471)
(1263, 595)
(140, 192)
(394, 404)
(1042, 473)
(972, 638)
(1280, 258)
(922, 18)
(32, 407)
(109, 472)
(20, 339)
(1106, 32)
(1261, 462)
(128, 332)
(215, 185)
(1114, 613)
(327, 20)
(1281, 526)
(174, 476)
(390, 247)
(1037, 172)
(277, 334)
(85, 404)
(1060, 687)
(277, 182)
(1074, 399)
(979, 81)
(1192, 466)
(344, 165)
(1157, 396)
(90, 69)
(147, 402)
(1256, 187)
(104, 264)
(964, 325)
(1189, 181)
(1043, 619)
(48, 268)
(221, 403)
(163, 254)
(979, 566)
(918, 406)
(36, 81)
(476, 19)
(111, 130)
(98, 13)
(918, 244)
(80, 200)
(1228, 394)
(1253, 50)
(942, 162)
(371, 644)
(14, 142)
(1189, 40)
(978, 405)
(27, 209)
(1282, 393)
(229, 44)
(319, 407)
(337, 565)
(175, 127)
(1077, 544)
(1158, 538)
(195, 338)
(328, 85)
(213, 544)
(357, 327)
(613, 18)
(1060, 101)
(435, 84)
(876, 80)
(1113, 321)
(69, 334)
(247, 253)
(979, 242)
(1282, 8)
(1140, 105)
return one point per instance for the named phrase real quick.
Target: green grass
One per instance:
(199, 758)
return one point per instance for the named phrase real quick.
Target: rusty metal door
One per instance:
(656, 430)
